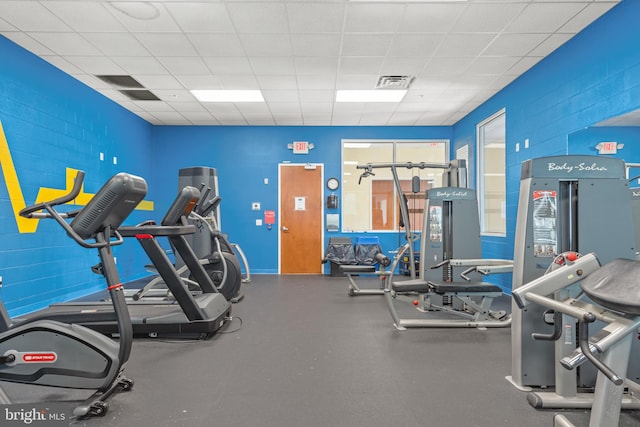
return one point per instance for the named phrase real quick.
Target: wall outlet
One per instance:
(255, 206)
(258, 222)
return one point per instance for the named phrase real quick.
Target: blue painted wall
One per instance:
(53, 122)
(244, 157)
(584, 141)
(594, 76)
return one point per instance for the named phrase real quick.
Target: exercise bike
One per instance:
(45, 352)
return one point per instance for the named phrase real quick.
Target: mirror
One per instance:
(623, 135)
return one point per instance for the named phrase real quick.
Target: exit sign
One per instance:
(607, 147)
(300, 147)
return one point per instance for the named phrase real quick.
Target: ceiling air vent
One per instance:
(140, 95)
(121, 81)
(394, 82)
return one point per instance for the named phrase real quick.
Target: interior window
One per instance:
(491, 183)
(371, 203)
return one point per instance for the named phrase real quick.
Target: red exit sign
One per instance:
(607, 147)
(300, 147)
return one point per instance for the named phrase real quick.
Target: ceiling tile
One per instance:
(366, 44)
(586, 17)
(524, 65)
(430, 17)
(116, 44)
(85, 16)
(309, 82)
(356, 81)
(275, 66)
(314, 96)
(183, 65)
(460, 45)
(179, 97)
(283, 108)
(233, 81)
(29, 43)
(65, 43)
(94, 82)
(315, 45)
(361, 65)
(167, 44)
(544, 17)
(319, 66)
(550, 44)
(228, 65)
(492, 65)
(217, 44)
(324, 108)
(373, 17)
(139, 64)
(158, 81)
(219, 109)
(30, 16)
(416, 45)
(258, 18)
(200, 17)
(154, 106)
(502, 81)
(143, 17)
(277, 82)
(192, 115)
(95, 65)
(266, 44)
(253, 108)
(403, 119)
(289, 120)
(185, 107)
(446, 66)
(315, 17)
(488, 17)
(514, 44)
(402, 66)
(5, 26)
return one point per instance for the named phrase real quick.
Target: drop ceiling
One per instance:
(298, 53)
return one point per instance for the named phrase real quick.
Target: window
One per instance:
(491, 183)
(371, 203)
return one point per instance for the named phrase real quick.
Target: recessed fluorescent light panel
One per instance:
(384, 95)
(228, 95)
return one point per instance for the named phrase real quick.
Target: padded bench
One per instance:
(356, 269)
(423, 287)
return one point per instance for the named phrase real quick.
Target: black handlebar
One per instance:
(32, 211)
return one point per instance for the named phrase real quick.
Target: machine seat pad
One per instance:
(616, 286)
(463, 287)
(354, 269)
(415, 285)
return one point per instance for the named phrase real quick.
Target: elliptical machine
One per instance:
(46, 352)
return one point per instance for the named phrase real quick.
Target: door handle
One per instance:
(284, 228)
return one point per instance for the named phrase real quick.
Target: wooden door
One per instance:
(301, 210)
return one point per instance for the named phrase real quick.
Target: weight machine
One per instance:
(566, 204)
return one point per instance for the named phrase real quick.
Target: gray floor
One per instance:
(308, 355)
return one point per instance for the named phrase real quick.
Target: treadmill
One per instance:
(189, 315)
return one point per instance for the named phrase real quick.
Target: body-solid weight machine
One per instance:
(450, 251)
(566, 203)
